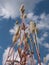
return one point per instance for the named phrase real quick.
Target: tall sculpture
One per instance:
(28, 38)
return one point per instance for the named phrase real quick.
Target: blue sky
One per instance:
(37, 10)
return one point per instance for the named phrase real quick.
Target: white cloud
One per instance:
(46, 45)
(42, 16)
(46, 59)
(40, 41)
(43, 23)
(11, 31)
(42, 38)
(0, 47)
(33, 17)
(45, 34)
(10, 8)
(30, 15)
(14, 29)
(5, 56)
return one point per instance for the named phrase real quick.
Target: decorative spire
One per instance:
(22, 11)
